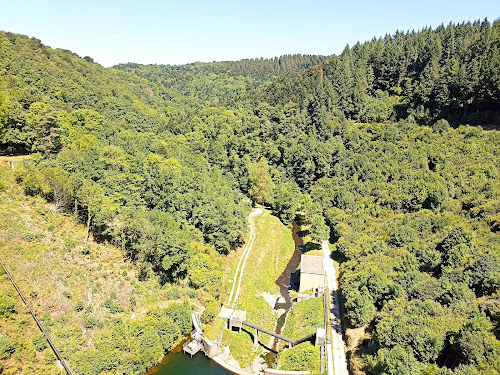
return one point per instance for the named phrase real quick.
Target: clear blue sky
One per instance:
(183, 31)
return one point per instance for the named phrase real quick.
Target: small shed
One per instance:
(234, 317)
(311, 272)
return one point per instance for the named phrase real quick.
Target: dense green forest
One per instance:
(222, 81)
(153, 158)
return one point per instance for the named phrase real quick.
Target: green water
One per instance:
(178, 363)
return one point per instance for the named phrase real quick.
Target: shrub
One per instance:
(113, 305)
(396, 361)
(49, 357)
(39, 342)
(168, 332)
(7, 346)
(210, 310)
(47, 320)
(302, 357)
(28, 237)
(181, 314)
(90, 321)
(116, 308)
(69, 244)
(79, 306)
(6, 306)
(441, 126)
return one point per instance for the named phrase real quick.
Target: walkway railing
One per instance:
(278, 336)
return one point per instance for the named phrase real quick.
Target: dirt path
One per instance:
(336, 350)
(238, 274)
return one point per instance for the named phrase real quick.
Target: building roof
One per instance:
(311, 264)
(227, 313)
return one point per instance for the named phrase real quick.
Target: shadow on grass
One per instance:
(251, 337)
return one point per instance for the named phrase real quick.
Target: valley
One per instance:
(132, 196)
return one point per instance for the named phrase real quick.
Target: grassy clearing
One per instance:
(66, 281)
(273, 248)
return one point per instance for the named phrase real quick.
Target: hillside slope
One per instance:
(89, 298)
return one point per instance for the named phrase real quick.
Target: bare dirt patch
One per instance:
(357, 347)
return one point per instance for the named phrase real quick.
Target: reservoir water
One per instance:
(178, 363)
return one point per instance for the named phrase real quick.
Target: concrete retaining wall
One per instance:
(229, 367)
(276, 372)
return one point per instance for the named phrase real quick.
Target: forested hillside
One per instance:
(99, 314)
(451, 72)
(153, 158)
(222, 81)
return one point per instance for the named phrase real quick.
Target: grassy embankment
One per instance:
(302, 320)
(273, 248)
(59, 274)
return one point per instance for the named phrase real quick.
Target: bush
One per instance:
(168, 332)
(133, 302)
(181, 314)
(90, 321)
(69, 244)
(441, 126)
(79, 306)
(396, 361)
(39, 342)
(302, 357)
(113, 305)
(49, 357)
(7, 346)
(210, 310)
(304, 318)
(360, 308)
(29, 237)
(115, 308)
(7, 307)
(47, 320)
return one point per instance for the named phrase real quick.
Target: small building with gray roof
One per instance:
(312, 273)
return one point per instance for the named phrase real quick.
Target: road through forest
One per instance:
(336, 349)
